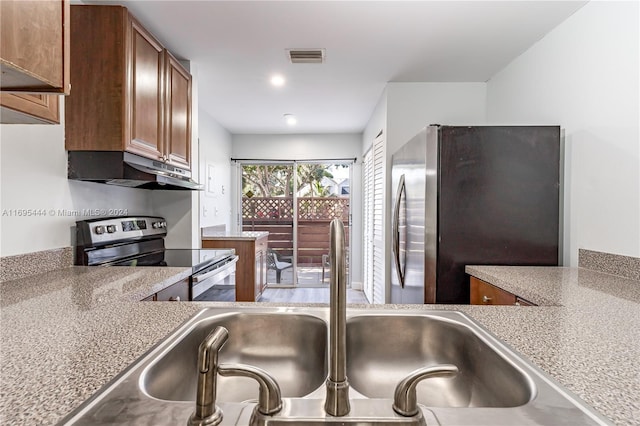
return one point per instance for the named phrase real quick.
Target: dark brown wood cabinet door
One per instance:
(246, 268)
(178, 113)
(146, 94)
(483, 293)
(28, 108)
(95, 110)
(34, 46)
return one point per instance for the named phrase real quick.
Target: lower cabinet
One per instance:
(174, 293)
(483, 293)
(251, 269)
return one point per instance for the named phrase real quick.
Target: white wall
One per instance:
(314, 147)
(34, 176)
(377, 123)
(412, 106)
(215, 173)
(406, 107)
(328, 146)
(584, 76)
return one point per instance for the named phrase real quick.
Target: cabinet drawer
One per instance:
(483, 293)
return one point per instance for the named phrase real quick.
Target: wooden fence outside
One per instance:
(275, 215)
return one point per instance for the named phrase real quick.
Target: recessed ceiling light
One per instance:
(277, 80)
(290, 119)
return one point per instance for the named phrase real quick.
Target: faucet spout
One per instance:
(207, 413)
(337, 402)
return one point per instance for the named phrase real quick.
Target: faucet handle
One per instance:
(270, 396)
(405, 398)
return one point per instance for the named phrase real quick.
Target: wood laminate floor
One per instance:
(286, 295)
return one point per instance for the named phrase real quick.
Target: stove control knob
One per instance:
(156, 225)
(164, 224)
(111, 229)
(99, 229)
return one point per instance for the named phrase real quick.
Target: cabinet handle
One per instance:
(174, 299)
(486, 299)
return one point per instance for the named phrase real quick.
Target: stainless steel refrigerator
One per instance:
(484, 195)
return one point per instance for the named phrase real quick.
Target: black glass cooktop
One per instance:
(197, 259)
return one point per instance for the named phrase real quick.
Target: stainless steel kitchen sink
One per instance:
(384, 349)
(291, 347)
(494, 385)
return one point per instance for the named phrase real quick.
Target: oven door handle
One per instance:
(202, 277)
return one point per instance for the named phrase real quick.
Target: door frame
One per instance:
(237, 207)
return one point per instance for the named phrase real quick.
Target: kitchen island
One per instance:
(67, 333)
(251, 270)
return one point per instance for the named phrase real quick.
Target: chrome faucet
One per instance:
(207, 413)
(337, 400)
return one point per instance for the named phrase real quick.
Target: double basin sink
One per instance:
(494, 385)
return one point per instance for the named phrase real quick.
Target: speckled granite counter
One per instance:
(586, 333)
(66, 333)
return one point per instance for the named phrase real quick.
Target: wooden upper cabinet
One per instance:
(34, 47)
(129, 94)
(34, 60)
(146, 93)
(178, 104)
(29, 108)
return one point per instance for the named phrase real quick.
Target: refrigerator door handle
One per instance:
(396, 232)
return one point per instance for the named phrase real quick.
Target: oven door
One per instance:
(222, 273)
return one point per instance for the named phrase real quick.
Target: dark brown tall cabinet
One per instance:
(34, 60)
(129, 93)
(251, 269)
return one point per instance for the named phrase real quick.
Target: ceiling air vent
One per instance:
(306, 56)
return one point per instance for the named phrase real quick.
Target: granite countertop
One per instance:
(585, 333)
(67, 333)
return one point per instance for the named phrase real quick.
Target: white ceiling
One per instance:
(238, 45)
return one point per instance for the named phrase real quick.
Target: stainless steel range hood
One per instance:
(126, 169)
